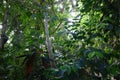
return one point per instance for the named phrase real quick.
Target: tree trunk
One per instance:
(48, 42)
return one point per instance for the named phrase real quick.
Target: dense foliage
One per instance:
(84, 34)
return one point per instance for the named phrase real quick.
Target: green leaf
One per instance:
(91, 54)
(74, 69)
(99, 54)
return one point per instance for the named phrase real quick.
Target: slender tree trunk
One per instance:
(48, 42)
(4, 25)
(4, 38)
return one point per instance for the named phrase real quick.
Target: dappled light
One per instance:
(59, 40)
